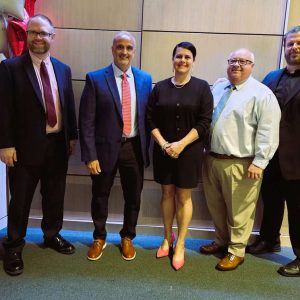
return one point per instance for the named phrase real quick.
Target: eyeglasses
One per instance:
(42, 34)
(241, 62)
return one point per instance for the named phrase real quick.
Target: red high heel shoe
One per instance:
(178, 264)
(160, 253)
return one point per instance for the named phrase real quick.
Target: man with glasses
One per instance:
(244, 137)
(37, 134)
(282, 176)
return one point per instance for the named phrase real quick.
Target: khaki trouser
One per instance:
(231, 199)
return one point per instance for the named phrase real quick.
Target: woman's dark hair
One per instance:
(185, 45)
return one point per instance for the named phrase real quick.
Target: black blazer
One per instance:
(22, 112)
(289, 133)
(100, 116)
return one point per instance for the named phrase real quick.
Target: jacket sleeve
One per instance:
(72, 122)
(7, 125)
(87, 121)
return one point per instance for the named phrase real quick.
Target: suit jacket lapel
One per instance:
(273, 84)
(60, 80)
(138, 88)
(111, 81)
(32, 77)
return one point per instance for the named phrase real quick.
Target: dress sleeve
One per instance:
(150, 111)
(203, 118)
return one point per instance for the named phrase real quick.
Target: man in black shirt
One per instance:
(281, 180)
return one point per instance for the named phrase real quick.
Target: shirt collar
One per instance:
(240, 86)
(295, 74)
(119, 73)
(37, 61)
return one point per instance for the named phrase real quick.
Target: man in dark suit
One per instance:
(281, 180)
(37, 135)
(113, 137)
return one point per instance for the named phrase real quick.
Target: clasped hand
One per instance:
(174, 149)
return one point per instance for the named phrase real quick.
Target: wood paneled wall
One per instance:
(84, 33)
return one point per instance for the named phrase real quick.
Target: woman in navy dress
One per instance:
(179, 115)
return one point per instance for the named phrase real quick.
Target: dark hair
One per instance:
(185, 45)
(43, 17)
(292, 30)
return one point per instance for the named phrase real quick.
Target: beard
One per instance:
(39, 49)
(293, 59)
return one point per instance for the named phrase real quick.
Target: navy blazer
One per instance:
(22, 111)
(289, 134)
(100, 116)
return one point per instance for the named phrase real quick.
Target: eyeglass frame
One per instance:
(42, 34)
(232, 62)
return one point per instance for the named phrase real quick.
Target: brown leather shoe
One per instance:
(96, 249)
(212, 248)
(229, 262)
(128, 251)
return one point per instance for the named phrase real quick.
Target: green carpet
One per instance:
(50, 275)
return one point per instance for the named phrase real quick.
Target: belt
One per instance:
(224, 156)
(125, 139)
(55, 134)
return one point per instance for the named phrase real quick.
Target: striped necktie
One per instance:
(126, 105)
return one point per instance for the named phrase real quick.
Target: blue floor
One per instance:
(35, 235)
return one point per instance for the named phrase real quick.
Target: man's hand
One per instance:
(94, 167)
(8, 156)
(254, 172)
(72, 147)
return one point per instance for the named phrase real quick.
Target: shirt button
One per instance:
(178, 128)
(177, 117)
(178, 104)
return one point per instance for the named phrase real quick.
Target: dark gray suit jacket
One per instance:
(22, 112)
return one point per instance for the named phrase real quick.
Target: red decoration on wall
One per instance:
(29, 6)
(16, 35)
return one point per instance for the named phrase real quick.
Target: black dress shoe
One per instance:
(13, 263)
(262, 247)
(59, 244)
(292, 269)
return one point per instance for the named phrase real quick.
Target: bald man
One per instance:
(244, 137)
(113, 137)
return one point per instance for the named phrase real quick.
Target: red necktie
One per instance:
(126, 105)
(50, 108)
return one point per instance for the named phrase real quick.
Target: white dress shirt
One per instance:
(36, 61)
(248, 126)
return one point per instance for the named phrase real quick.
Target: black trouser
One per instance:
(131, 169)
(23, 180)
(275, 191)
